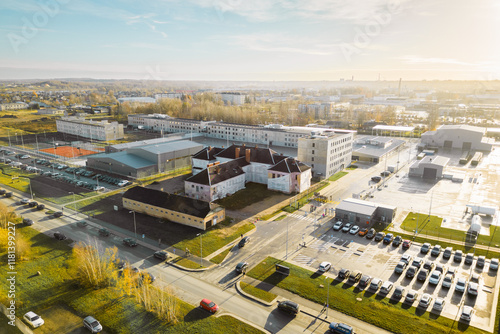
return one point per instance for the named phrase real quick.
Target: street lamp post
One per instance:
(201, 249)
(135, 225)
(286, 255)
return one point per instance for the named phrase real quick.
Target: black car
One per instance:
(289, 307)
(344, 273)
(411, 272)
(376, 178)
(2, 191)
(371, 233)
(27, 221)
(162, 255)
(40, 207)
(103, 232)
(59, 236)
(436, 250)
(129, 242)
(422, 274)
(397, 241)
(32, 204)
(82, 223)
(9, 194)
(365, 280)
(241, 267)
(58, 214)
(243, 242)
(379, 236)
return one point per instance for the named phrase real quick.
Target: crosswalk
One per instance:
(309, 218)
(304, 259)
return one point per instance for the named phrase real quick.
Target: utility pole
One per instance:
(135, 225)
(286, 256)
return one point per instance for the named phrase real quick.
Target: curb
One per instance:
(173, 264)
(242, 320)
(248, 296)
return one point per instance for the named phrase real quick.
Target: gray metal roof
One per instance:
(461, 127)
(171, 146)
(393, 128)
(125, 158)
(375, 151)
(357, 206)
(435, 160)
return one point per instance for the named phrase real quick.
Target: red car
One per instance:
(406, 244)
(209, 305)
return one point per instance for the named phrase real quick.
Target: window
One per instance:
(312, 151)
(314, 145)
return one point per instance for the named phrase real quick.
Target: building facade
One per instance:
(364, 213)
(173, 208)
(92, 130)
(233, 98)
(327, 153)
(14, 106)
(464, 137)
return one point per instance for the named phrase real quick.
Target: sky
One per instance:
(242, 40)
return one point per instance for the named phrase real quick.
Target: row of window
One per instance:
(152, 208)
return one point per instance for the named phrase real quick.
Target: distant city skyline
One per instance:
(250, 40)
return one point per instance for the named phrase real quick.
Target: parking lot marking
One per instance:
(304, 259)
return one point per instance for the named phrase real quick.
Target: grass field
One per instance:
(217, 259)
(253, 193)
(337, 176)
(20, 181)
(271, 215)
(258, 293)
(187, 263)
(280, 218)
(215, 238)
(62, 303)
(382, 312)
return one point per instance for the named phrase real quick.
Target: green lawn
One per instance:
(280, 218)
(270, 215)
(253, 193)
(358, 303)
(187, 263)
(21, 184)
(256, 292)
(56, 289)
(337, 176)
(215, 238)
(217, 259)
(7, 329)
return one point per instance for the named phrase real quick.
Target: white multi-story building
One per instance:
(13, 106)
(90, 129)
(327, 153)
(168, 96)
(233, 98)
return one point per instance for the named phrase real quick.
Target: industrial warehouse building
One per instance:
(375, 149)
(430, 167)
(145, 160)
(174, 208)
(364, 213)
(464, 137)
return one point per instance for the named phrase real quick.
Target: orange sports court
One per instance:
(70, 151)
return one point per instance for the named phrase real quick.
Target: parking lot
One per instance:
(379, 260)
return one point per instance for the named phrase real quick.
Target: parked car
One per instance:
(447, 281)
(458, 256)
(371, 233)
(439, 267)
(435, 277)
(209, 305)
(92, 324)
(362, 232)
(425, 300)
(289, 307)
(104, 232)
(379, 236)
(58, 214)
(461, 284)
(429, 265)
(2, 191)
(27, 221)
(344, 273)
(129, 242)
(33, 319)
(340, 328)
(162, 255)
(472, 288)
(439, 304)
(422, 274)
(397, 241)
(324, 266)
(32, 204)
(241, 267)
(388, 238)
(375, 285)
(243, 242)
(411, 296)
(410, 273)
(469, 258)
(400, 267)
(417, 262)
(346, 227)
(386, 287)
(355, 276)
(8, 194)
(364, 281)
(481, 260)
(425, 248)
(494, 264)
(24, 201)
(354, 230)
(406, 258)
(447, 252)
(399, 292)
(82, 223)
(337, 226)
(467, 313)
(59, 236)
(40, 207)
(376, 178)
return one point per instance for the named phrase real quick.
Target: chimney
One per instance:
(247, 155)
(237, 152)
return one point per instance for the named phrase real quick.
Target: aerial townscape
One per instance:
(262, 167)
